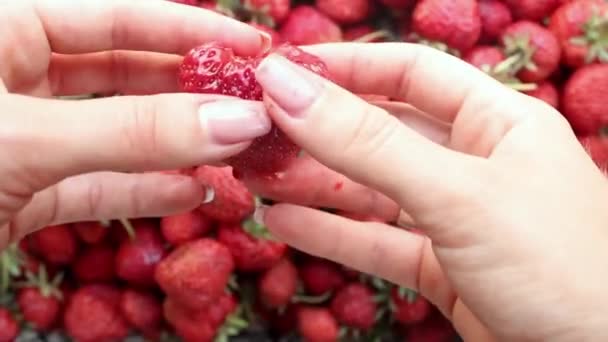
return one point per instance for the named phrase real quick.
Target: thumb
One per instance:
(48, 140)
(361, 141)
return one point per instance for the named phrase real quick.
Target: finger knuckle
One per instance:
(373, 130)
(94, 198)
(141, 129)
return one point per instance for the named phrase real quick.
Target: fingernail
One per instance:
(260, 212)
(234, 121)
(292, 89)
(266, 41)
(209, 195)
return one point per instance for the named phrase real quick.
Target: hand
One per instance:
(512, 207)
(64, 161)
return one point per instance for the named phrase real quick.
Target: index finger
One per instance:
(146, 25)
(432, 81)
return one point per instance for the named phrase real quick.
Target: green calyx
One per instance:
(47, 287)
(595, 37)
(257, 230)
(520, 52)
(233, 326)
(11, 260)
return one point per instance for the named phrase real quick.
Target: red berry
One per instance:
(495, 17)
(320, 276)
(583, 101)
(181, 228)
(279, 284)
(398, 4)
(317, 325)
(345, 11)
(484, 57)
(91, 232)
(95, 264)
(196, 273)
(535, 10)
(455, 22)
(136, 259)
(354, 306)
(251, 254)
(276, 9)
(546, 91)
(55, 244)
(142, 310)
(39, 309)
(597, 148)
(306, 25)
(9, 329)
(409, 308)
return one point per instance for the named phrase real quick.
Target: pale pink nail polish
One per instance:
(233, 121)
(291, 88)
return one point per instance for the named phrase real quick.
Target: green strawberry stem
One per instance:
(373, 36)
(256, 230)
(312, 299)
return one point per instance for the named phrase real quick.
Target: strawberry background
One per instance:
(213, 274)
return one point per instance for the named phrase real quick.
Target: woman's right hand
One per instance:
(514, 209)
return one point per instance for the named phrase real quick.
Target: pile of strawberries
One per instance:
(214, 274)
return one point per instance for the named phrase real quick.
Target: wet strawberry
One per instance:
(196, 273)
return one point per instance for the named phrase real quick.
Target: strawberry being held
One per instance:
(580, 27)
(211, 68)
(196, 273)
(251, 246)
(229, 199)
(536, 49)
(317, 324)
(306, 25)
(454, 22)
(584, 99)
(354, 306)
(93, 314)
(278, 285)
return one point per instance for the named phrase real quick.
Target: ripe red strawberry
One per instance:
(9, 329)
(95, 264)
(39, 309)
(320, 276)
(434, 329)
(181, 228)
(537, 48)
(136, 260)
(306, 25)
(354, 306)
(398, 4)
(455, 23)
(345, 11)
(230, 201)
(196, 273)
(580, 28)
(250, 246)
(93, 314)
(278, 285)
(409, 307)
(484, 57)
(546, 91)
(535, 10)
(199, 325)
(92, 232)
(317, 324)
(583, 99)
(597, 148)
(142, 310)
(211, 68)
(277, 10)
(495, 17)
(55, 244)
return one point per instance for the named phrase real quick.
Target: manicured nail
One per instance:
(260, 212)
(234, 121)
(266, 41)
(291, 88)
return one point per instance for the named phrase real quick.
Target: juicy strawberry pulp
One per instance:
(214, 69)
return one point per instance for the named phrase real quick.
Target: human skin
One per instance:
(512, 208)
(65, 161)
